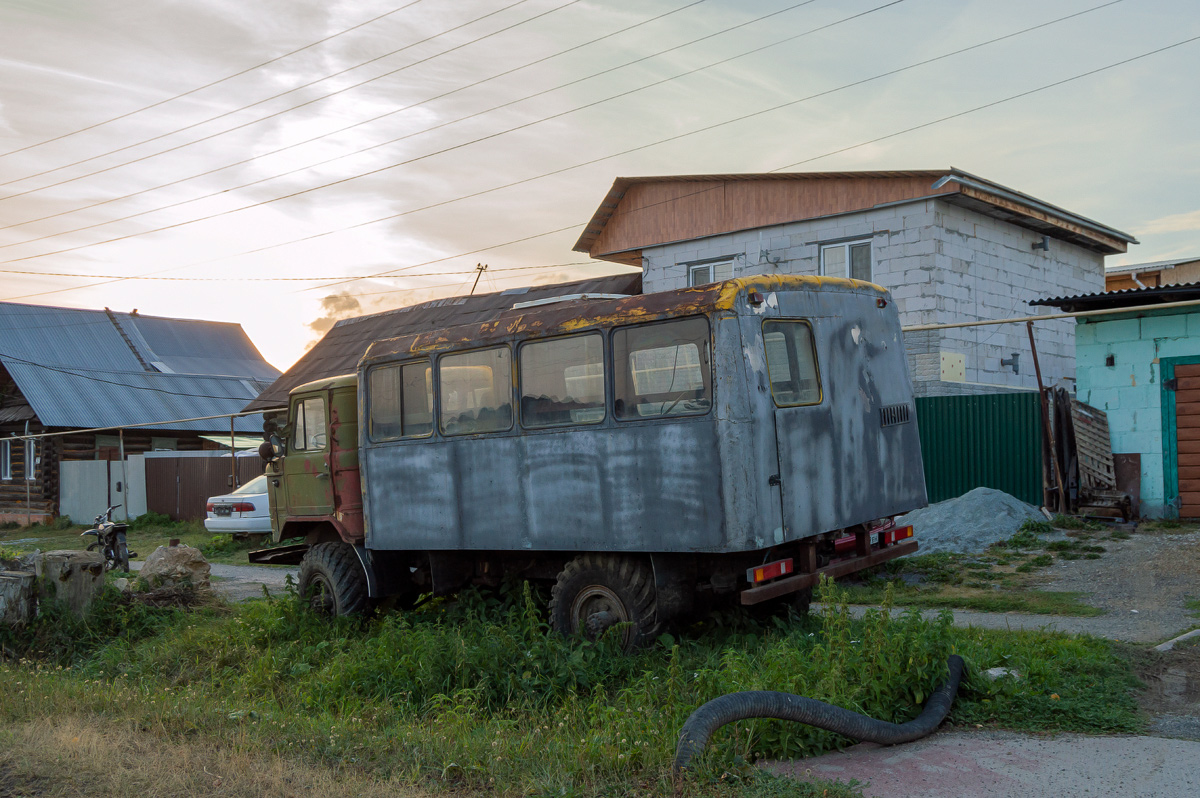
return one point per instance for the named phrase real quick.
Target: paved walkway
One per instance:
(993, 764)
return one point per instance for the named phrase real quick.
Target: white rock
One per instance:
(998, 673)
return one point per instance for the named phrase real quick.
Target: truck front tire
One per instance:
(332, 581)
(596, 591)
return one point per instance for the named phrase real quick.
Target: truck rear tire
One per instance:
(596, 591)
(332, 581)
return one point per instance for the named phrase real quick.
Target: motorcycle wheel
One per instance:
(122, 553)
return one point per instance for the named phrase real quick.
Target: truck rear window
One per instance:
(475, 391)
(662, 369)
(792, 363)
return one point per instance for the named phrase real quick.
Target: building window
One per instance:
(849, 259)
(704, 273)
(30, 460)
(5, 459)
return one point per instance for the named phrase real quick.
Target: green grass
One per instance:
(146, 533)
(476, 696)
(978, 597)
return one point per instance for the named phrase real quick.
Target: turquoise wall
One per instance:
(1130, 390)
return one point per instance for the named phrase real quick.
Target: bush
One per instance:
(152, 519)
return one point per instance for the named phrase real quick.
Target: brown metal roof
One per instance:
(344, 345)
(679, 216)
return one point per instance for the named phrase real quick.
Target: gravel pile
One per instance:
(970, 523)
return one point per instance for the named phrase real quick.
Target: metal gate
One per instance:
(988, 441)
(180, 486)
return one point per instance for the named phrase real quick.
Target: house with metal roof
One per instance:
(339, 351)
(101, 372)
(1138, 359)
(948, 245)
(1178, 271)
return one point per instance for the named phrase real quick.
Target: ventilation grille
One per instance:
(892, 415)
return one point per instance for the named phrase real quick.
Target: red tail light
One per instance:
(209, 507)
(243, 507)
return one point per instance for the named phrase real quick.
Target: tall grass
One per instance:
(477, 695)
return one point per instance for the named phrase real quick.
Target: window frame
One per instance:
(30, 460)
(605, 362)
(707, 368)
(816, 361)
(6, 459)
(846, 246)
(433, 410)
(512, 400)
(711, 266)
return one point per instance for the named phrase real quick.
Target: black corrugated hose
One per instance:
(785, 706)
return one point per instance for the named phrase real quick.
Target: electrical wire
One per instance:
(268, 99)
(72, 372)
(394, 111)
(435, 153)
(210, 84)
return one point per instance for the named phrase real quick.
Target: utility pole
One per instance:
(481, 268)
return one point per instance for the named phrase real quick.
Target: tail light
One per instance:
(762, 573)
(243, 507)
(208, 507)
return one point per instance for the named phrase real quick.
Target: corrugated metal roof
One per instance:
(89, 368)
(1115, 300)
(344, 345)
(1157, 264)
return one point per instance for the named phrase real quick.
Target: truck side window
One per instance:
(562, 381)
(792, 363)
(662, 369)
(401, 401)
(475, 391)
(309, 434)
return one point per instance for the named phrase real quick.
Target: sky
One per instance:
(285, 163)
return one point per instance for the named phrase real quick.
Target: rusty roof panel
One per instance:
(344, 345)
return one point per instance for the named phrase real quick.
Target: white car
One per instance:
(244, 511)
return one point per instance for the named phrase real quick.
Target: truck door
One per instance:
(803, 428)
(306, 471)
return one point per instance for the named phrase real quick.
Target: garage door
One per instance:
(1187, 434)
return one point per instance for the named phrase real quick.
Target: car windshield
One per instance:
(256, 485)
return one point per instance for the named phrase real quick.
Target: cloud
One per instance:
(1175, 223)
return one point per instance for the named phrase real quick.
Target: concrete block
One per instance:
(18, 597)
(72, 577)
(1120, 330)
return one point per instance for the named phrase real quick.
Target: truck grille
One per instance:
(892, 415)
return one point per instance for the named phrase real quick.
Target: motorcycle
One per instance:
(110, 540)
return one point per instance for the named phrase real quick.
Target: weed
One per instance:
(1075, 522)
(152, 519)
(1120, 534)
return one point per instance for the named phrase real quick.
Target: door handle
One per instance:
(321, 474)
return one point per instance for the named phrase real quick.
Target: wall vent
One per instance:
(892, 415)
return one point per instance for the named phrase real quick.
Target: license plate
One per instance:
(222, 510)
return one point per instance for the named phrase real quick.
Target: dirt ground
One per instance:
(1142, 583)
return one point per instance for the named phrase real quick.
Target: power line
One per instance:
(210, 84)
(394, 111)
(451, 149)
(268, 99)
(263, 279)
(840, 150)
(72, 372)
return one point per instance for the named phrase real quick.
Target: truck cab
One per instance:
(315, 487)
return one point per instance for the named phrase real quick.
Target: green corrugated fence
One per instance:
(991, 441)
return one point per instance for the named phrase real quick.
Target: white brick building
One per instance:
(949, 246)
